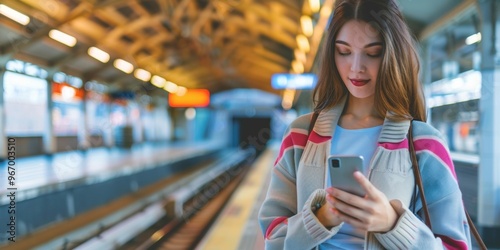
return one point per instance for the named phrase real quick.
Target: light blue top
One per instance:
(352, 142)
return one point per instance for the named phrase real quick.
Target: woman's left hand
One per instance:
(373, 212)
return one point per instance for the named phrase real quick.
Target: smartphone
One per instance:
(341, 169)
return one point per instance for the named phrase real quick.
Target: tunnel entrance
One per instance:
(251, 132)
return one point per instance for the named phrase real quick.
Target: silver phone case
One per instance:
(342, 176)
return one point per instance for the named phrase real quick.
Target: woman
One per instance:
(367, 94)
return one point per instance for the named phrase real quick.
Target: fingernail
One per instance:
(333, 192)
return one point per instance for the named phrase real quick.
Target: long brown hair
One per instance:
(398, 88)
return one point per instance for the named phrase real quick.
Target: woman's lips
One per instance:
(359, 82)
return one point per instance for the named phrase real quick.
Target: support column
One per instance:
(84, 141)
(174, 117)
(49, 139)
(426, 74)
(489, 107)
(107, 128)
(3, 138)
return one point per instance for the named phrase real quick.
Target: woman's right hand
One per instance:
(326, 213)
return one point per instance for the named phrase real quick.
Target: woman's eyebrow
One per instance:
(366, 46)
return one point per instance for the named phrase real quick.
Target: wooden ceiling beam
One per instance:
(204, 19)
(271, 67)
(82, 9)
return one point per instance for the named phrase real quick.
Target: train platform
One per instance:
(36, 175)
(237, 225)
(56, 188)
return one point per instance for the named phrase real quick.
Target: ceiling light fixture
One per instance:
(307, 25)
(326, 11)
(14, 14)
(98, 54)
(314, 5)
(171, 87)
(62, 37)
(300, 55)
(473, 38)
(298, 67)
(303, 43)
(181, 91)
(158, 81)
(288, 96)
(123, 66)
(142, 74)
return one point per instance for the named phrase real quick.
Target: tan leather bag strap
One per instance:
(418, 181)
(418, 177)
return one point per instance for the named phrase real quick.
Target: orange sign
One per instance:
(66, 91)
(194, 98)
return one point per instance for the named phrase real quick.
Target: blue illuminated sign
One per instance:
(294, 81)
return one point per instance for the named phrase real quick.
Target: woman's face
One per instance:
(358, 54)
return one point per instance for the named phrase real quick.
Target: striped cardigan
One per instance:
(298, 180)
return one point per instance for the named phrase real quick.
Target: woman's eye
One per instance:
(344, 53)
(375, 55)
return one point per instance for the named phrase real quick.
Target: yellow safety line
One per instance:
(230, 225)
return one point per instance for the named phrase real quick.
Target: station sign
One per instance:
(193, 98)
(66, 92)
(294, 81)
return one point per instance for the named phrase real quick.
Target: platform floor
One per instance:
(237, 225)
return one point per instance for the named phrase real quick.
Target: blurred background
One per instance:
(154, 124)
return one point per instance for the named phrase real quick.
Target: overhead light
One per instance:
(307, 25)
(142, 74)
(14, 14)
(158, 81)
(473, 38)
(123, 66)
(171, 87)
(181, 91)
(98, 54)
(62, 37)
(314, 5)
(326, 11)
(303, 43)
(287, 101)
(297, 67)
(300, 55)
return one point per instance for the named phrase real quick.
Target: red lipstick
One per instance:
(359, 82)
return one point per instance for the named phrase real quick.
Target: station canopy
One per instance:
(216, 45)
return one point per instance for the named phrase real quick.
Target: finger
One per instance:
(329, 198)
(338, 192)
(352, 211)
(365, 184)
(348, 198)
(348, 219)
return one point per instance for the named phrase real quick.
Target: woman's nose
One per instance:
(357, 64)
